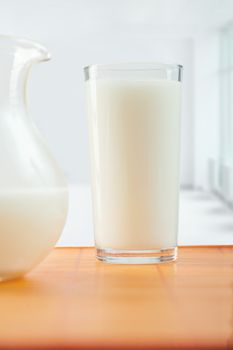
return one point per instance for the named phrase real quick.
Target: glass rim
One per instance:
(133, 66)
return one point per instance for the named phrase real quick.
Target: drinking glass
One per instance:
(134, 132)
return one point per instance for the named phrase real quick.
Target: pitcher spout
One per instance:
(16, 58)
(27, 49)
(35, 51)
(32, 50)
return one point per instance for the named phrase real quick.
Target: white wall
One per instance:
(79, 33)
(207, 117)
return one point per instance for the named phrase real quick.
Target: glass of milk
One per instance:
(134, 131)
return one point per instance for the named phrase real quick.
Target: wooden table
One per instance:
(72, 301)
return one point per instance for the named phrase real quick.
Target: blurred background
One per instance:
(195, 33)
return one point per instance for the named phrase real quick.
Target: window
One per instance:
(226, 95)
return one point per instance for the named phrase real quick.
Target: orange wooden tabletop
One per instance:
(72, 301)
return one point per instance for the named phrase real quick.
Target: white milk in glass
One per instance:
(134, 133)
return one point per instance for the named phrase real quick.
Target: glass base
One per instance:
(121, 256)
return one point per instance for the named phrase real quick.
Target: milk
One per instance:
(31, 221)
(134, 136)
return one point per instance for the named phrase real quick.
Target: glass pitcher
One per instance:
(33, 191)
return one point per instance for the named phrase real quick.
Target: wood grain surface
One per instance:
(72, 301)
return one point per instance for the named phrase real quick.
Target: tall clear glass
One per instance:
(134, 127)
